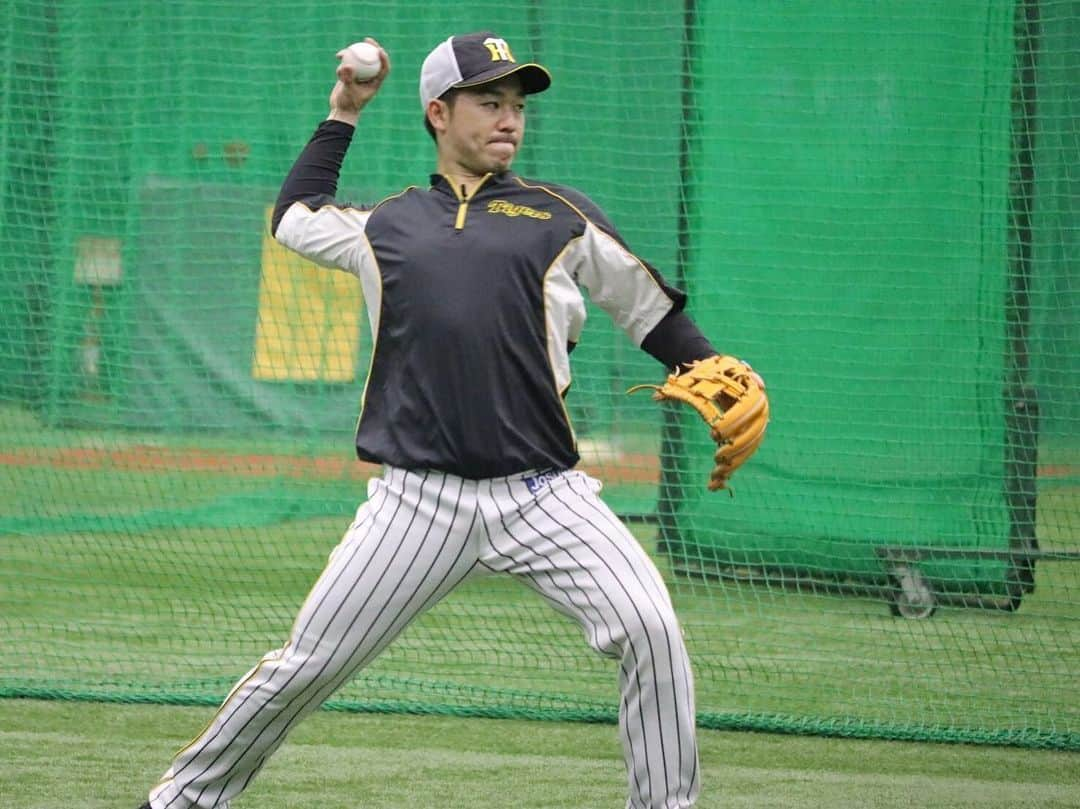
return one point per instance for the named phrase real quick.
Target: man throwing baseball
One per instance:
(473, 287)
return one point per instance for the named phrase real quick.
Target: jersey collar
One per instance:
(440, 183)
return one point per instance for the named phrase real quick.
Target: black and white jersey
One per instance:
(474, 303)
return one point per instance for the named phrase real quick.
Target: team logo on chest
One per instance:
(501, 206)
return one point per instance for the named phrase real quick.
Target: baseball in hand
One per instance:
(363, 58)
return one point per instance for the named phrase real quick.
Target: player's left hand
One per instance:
(730, 397)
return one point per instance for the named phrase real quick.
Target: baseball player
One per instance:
(473, 290)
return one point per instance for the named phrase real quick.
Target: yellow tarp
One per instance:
(309, 319)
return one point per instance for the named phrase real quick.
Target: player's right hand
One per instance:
(349, 97)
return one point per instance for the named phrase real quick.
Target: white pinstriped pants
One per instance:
(418, 535)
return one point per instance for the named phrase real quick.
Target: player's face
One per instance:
(484, 127)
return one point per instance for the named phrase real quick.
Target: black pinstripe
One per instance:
(425, 533)
(615, 525)
(648, 639)
(195, 748)
(321, 675)
(613, 521)
(567, 595)
(351, 665)
(582, 568)
(596, 625)
(332, 681)
(624, 673)
(243, 703)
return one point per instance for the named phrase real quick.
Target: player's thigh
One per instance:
(404, 550)
(569, 546)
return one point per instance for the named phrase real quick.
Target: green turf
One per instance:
(62, 755)
(129, 584)
(181, 619)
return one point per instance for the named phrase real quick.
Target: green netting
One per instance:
(877, 205)
(867, 264)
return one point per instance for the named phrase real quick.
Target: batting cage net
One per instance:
(877, 205)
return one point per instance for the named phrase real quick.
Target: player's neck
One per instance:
(465, 176)
(464, 182)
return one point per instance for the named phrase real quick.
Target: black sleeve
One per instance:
(677, 340)
(314, 175)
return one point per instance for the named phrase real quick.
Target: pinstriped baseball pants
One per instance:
(420, 534)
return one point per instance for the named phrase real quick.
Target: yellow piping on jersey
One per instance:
(384, 200)
(547, 342)
(352, 208)
(374, 339)
(582, 214)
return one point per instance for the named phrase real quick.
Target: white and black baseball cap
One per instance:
(472, 59)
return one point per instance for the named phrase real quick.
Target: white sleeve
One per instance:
(619, 283)
(329, 235)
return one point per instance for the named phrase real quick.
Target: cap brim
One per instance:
(534, 77)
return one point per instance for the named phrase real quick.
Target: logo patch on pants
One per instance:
(536, 482)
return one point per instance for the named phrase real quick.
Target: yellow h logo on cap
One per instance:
(500, 51)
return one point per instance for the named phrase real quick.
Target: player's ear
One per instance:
(438, 114)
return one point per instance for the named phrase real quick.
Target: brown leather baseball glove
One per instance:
(730, 397)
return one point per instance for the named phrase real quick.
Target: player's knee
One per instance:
(658, 626)
(297, 672)
(637, 629)
(642, 628)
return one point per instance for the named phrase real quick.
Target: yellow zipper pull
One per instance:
(459, 223)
